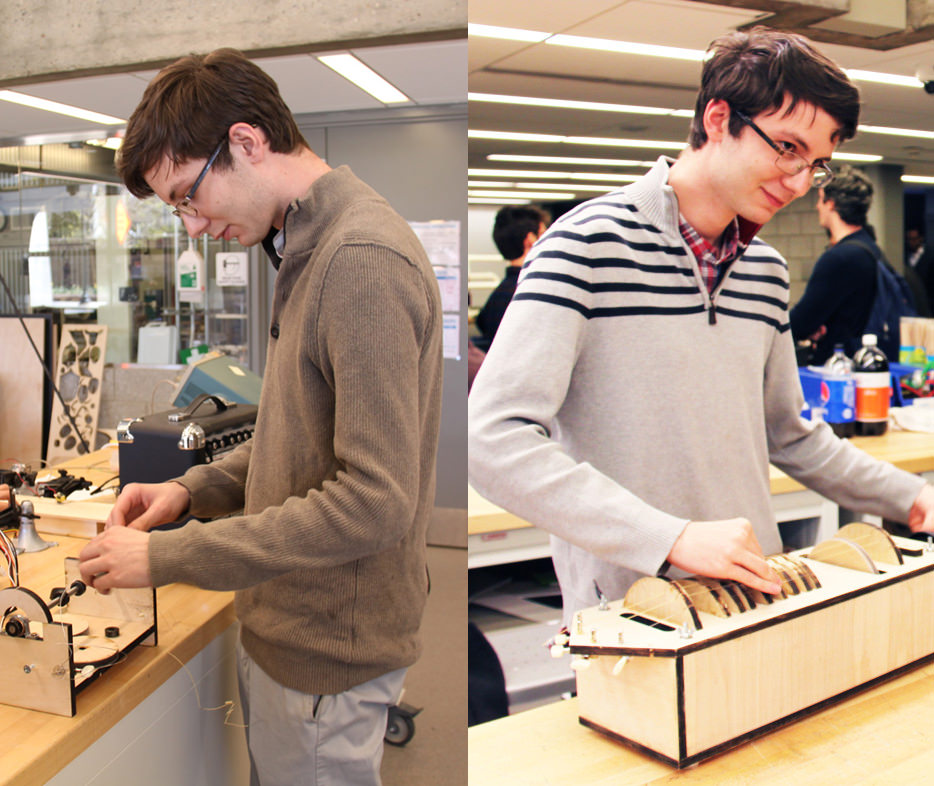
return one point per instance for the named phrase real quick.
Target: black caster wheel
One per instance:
(400, 725)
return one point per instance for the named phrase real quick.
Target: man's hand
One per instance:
(118, 557)
(4, 496)
(921, 515)
(725, 550)
(143, 506)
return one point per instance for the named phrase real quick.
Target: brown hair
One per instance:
(189, 107)
(754, 72)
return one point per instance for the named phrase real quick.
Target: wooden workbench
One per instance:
(495, 535)
(38, 745)
(883, 735)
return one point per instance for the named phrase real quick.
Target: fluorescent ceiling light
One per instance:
(514, 136)
(500, 201)
(885, 79)
(491, 184)
(561, 103)
(909, 132)
(918, 179)
(602, 187)
(364, 77)
(627, 47)
(524, 194)
(567, 160)
(864, 158)
(111, 142)
(61, 109)
(528, 173)
(506, 33)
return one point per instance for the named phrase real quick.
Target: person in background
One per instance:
(644, 376)
(515, 231)
(328, 504)
(840, 290)
(920, 258)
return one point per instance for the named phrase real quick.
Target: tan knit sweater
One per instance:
(338, 483)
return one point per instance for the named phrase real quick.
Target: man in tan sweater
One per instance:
(336, 487)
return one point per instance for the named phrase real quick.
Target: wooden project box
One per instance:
(46, 673)
(683, 700)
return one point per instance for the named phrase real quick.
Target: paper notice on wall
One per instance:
(452, 336)
(441, 240)
(230, 269)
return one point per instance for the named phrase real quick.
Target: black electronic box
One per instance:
(161, 446)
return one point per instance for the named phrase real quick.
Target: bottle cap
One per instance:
(870, 340)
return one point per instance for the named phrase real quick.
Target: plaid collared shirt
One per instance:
(713, 261)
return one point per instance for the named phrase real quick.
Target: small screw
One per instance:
(27, 669)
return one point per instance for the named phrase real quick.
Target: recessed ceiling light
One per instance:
(885, 79)
(524, 194)
(515, 136)
(561, 103)
(506, 33)
(909, 132)
(62, 109)
(529, 173)
(917, 179)
(499, 201)
(627, 47)
(364, 77)
(863, 158)
(568, 160)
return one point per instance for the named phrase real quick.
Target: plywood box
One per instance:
(690, 691)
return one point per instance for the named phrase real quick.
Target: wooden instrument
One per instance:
(684, 669)
(47, 653)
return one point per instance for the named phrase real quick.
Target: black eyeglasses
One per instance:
(789, 162)
(184, 207)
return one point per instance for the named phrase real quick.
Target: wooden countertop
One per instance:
(36, 745)
(909, 450)
(883, 735)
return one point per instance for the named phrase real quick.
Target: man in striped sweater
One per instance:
(644, 376)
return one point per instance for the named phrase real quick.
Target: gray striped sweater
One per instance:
(620, 401)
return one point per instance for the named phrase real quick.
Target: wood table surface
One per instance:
(909, 450)
(884, 735)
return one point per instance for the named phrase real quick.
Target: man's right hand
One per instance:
(724, 550)
(146, 505)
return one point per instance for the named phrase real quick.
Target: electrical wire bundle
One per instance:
(8, 549)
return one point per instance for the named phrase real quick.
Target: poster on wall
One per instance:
(441, 240)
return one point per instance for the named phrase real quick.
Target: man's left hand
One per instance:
(118, 557)
(921, 516)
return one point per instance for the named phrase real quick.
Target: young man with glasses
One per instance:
(337, 485)
(644, 375)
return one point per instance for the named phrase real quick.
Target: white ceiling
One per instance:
(547, 71)
(429, 73)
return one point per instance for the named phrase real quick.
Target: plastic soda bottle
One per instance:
(838, 393)
(873, 388)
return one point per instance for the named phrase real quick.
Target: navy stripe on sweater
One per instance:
(606, 311)
(610, 237)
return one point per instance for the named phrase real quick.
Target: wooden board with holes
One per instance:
(78, 375)
(736, 677)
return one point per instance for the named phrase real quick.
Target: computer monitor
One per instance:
(219, 375)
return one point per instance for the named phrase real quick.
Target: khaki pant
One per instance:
(299, 739)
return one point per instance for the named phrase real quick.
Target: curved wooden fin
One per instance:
(845, 553)
(875, 541)
(661, 599)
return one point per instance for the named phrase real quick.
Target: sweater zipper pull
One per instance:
(712, 314)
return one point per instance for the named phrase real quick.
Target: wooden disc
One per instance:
(788, 585)
(845, 553)
(793, 571)
(875, 541)
(703, 597)
(728, 598)
(89, 652)
(662, 600)
(804, 570)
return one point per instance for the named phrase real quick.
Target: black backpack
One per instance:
(893, 301)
